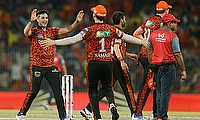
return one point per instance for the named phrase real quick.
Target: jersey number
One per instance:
(102, 42)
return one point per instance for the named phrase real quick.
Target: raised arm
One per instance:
(72, 26)
(138, 33)
(133, 40)
(64, 41)
(27, 29)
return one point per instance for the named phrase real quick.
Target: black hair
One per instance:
(42, 12)
(100, 18)
(117, 16)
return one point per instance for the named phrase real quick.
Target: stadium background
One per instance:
(14, 46)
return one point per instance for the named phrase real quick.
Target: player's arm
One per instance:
(27, 29)
(120, 57)
(72, 26)
(64, 69)
(138, 33)
(179, 56)
(134, 40)
(150, 51)
(64, 41)
(180, 61)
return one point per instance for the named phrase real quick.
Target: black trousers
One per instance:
(53, 77)
(125, 82)
(99, 71)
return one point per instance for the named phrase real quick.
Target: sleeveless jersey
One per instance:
(98, 38)
(39, 55)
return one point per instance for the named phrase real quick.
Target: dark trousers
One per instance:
(165, 76)
(99, 71)
(52, 76)
(125, 82)
(145, 90)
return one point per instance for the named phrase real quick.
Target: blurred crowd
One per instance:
(14, 46)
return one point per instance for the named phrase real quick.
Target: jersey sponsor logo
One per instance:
(105, 33)
(160, 38)
(54, 70)
(40, 36)
(102, 55)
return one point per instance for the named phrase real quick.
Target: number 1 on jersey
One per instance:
(102, 42)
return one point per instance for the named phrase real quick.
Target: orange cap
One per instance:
(162, 5)
(169, 18)
(99, 10)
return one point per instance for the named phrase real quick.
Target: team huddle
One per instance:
(106, 50)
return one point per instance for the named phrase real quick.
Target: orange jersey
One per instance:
(122, 47)
(39, 55)
(153, 23)
(99, 38)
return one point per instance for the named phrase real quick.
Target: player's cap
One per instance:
(162, 5)
(169, 18)
(99, 10)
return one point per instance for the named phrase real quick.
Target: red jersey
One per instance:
(98, 38)
(59, 61)
(152, 23)
(161, 41)
(39, 55)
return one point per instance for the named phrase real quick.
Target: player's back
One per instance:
(98, 39)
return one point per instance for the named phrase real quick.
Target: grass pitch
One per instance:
(124, 115)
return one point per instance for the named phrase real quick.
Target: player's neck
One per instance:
(119, 26)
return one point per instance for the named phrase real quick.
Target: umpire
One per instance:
(163, 55)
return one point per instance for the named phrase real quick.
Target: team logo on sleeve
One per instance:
(86, 29)
(119, 33)
(82, 33)
(149, 23)
(118, 41)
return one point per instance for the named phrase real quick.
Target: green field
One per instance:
(124, 115)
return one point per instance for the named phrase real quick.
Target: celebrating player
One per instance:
(42, 60)
(98, 38)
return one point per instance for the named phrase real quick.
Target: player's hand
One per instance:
(80, 15)
(124, 65)
(33, 15)
(183, 75)
(145, 43)
(132, 56)
(48, 42)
